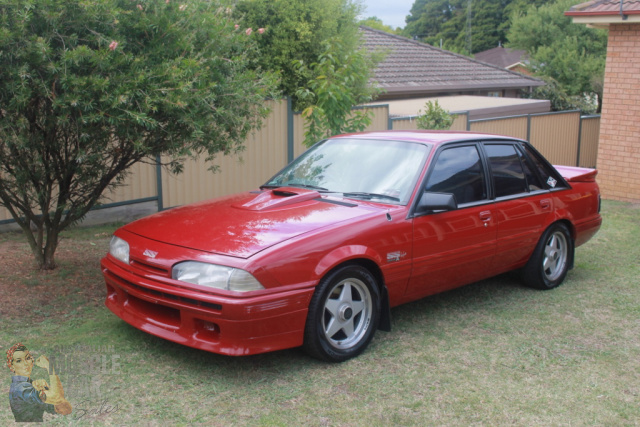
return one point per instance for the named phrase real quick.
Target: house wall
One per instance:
(619, 148)
(521, 69)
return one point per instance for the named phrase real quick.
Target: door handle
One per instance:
(485, 216)
(545, 203)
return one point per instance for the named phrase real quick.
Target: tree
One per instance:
(341, 80)
(296, 30)
(560, 100)
(87, 89)
(572, 55)
(377, 24)
(315, 47)
(464, 26)
(435, 117)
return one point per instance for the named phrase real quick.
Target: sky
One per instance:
(392, 12)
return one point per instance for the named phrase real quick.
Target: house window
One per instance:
(495, 94)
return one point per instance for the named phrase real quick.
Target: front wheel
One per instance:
(550, 261)
(343, 314)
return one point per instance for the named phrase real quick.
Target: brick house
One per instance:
(619, 146)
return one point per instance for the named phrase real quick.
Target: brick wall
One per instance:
(619, 149)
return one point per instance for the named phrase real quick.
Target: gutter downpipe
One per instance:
(622, 15)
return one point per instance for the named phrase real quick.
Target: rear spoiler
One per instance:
(575, 174)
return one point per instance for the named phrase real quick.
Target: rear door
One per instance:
(523, 203)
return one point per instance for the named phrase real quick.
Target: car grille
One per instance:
(166, 296)
(149, 268)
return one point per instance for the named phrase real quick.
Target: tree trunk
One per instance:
(48, 261)
(43, 255)
(49, 250)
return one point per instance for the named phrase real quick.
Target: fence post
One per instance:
(579, 142)
(159, 182)
(290, 141)
(466, 114)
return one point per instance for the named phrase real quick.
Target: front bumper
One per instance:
(219, 324)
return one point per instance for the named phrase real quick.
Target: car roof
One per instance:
(425, 136)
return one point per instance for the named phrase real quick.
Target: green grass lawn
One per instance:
(492, 353)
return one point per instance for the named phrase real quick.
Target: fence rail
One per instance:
(564, 138)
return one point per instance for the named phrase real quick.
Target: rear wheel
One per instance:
(343, 314)
(550, 261)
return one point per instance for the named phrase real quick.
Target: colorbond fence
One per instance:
(589, 134)
(564, 138)
(265, 153)
(410, 123)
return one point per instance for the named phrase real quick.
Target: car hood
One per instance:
(245, 224)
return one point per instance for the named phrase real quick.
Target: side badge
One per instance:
(395, 256)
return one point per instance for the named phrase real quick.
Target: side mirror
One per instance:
(431, 202)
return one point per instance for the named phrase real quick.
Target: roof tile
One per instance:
(502, 56)
(605, 7)
(412, 66)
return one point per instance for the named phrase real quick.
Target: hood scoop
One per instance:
(278, 198)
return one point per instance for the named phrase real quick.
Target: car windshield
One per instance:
(384, 171)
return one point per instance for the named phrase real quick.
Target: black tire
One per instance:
(344, 313)
(551, 259)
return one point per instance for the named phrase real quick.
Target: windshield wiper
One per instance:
(370, 196)
(312, 187)
(292, 184)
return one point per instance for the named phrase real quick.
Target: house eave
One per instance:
(517, 64)
(426, 89)
(604, 19)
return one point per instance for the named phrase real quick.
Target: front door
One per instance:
(455, 247)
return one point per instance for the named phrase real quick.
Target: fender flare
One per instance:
(343, 255)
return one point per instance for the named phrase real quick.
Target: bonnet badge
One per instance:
(150, 253)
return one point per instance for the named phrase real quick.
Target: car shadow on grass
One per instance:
(474, 300)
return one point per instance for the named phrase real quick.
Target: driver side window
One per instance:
(459, 171)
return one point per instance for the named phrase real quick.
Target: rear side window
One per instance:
(533, 180)
(506, 170)
(459, 171)
(550, 177)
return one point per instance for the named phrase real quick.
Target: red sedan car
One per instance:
(358, 224)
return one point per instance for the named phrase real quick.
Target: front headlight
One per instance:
(215, 276)
(119, 249)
